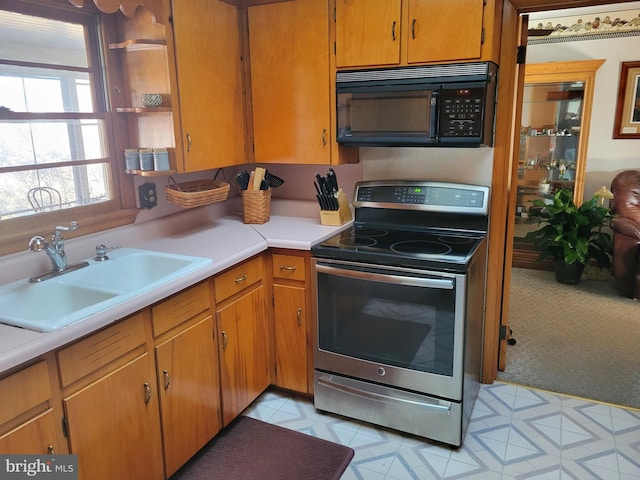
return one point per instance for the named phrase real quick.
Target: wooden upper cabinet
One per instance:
(443, 31)
(405, 32)
(290, 81)
(208, 69)
(367, 33)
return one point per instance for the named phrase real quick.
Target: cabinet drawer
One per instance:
(182, 306)
(289, 267)
(86, 356)
(237, 278)
(24, 390)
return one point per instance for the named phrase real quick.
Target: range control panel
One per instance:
(406, 194)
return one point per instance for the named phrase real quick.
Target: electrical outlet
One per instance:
(147, 195)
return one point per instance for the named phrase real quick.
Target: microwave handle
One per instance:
(433, 115)
(443, 284)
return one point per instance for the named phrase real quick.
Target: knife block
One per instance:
(337, 217)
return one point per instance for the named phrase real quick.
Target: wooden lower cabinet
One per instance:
(36, 436)
(188, 382)
(27, 420)
(292, 325)
(290, 317)
(244, 357)
(113, 424)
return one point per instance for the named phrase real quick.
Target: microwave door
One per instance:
(383, 117)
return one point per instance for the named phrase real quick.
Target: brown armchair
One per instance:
(626, 232)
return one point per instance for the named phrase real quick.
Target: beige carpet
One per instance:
(582, 340)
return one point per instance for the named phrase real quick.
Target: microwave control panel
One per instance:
(461, 112)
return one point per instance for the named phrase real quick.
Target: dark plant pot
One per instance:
(569, 273)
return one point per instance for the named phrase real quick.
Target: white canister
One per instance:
(161, 159)
(146, 159)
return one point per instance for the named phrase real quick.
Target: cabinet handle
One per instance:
(51, 450)
(188, 142)
(147, 393)
(299, 316)
(225, 341)
(393, 31)
(290, 268)
(167, 379)
(413, 29)
(241, 279)
(324, 137)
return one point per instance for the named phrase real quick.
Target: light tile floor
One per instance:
(514, 433)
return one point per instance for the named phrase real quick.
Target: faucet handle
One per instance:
(101, 252)
(57, 235)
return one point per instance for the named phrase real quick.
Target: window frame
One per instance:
(121, 209)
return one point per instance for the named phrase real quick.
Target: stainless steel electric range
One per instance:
(400, 301)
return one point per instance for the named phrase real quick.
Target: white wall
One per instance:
(606, 156)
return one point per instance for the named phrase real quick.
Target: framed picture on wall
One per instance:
(627, 119)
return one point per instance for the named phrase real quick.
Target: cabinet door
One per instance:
(368, 33)
(444, 31)
(290, 81)
(290, 320)
(37, 436)
(114, 426)
(189, 388)
(207, 47)
(242, 343)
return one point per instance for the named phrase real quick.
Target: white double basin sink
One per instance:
(74, 296)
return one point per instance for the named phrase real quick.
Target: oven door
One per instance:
(392, 326)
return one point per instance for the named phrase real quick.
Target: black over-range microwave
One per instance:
(450, 105)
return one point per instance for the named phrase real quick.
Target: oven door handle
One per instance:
(444, 284)
(330, 383)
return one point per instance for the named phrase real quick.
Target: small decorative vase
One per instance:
(568, 273)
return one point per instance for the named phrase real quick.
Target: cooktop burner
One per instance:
(361, 237)
(420, 247)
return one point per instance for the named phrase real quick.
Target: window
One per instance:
(55, 153)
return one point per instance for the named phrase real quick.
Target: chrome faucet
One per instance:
(55, 250)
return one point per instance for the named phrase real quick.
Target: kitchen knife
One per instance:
(319, 195)
(333, 180)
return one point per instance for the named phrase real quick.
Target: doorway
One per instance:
(588, 191)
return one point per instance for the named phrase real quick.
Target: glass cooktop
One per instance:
(446, 250)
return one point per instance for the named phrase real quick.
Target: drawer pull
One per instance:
(225, 340)
(299, 316)
(51, 450)
(167, 379)
(147, 393)
(290, 268)
(241, 279)
(393, 31)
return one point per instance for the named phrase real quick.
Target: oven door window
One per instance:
(392, 323)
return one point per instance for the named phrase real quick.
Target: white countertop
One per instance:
(226, 240)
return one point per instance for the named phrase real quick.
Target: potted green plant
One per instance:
(570, 234)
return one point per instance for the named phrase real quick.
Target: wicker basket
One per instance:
(257, 205)
(196, 193)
